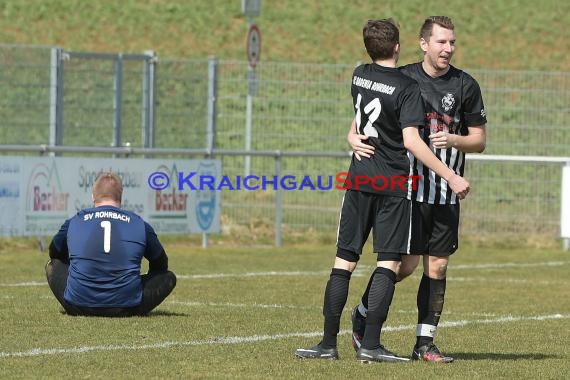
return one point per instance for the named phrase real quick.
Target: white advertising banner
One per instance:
(38, 194)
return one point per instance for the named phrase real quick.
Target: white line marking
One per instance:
(258, 338)
(29, 283)
(240, 305)
(359, 272)
(364, 271)
(505, 280)
(510, 265)
(250, 274)
(296, 307)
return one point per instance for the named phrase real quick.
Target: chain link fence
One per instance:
(201, 104)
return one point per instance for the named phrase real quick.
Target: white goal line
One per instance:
(258, 338)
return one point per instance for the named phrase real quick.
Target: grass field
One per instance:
(241, 313)
(499, 35)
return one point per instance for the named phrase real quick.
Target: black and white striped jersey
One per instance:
(453, 102)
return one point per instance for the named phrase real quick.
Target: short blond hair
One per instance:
(427, 27)
(108, 186)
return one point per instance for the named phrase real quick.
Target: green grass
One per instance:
(508, 35)
(491, 35)
(511, 314)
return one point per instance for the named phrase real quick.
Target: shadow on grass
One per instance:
(501, 356)
(156, 313)
(167, 313)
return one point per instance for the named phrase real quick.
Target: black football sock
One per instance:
(431, 293)
(379, 300)
(336, 294)
(364, 299)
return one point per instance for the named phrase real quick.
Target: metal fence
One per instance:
(144, 100)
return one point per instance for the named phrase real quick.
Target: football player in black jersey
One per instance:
(389, 110)
(454, 124)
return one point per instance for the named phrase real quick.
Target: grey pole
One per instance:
(117, 100)
(149, 98)
(56, 99)
(278, 203)
(212, 97)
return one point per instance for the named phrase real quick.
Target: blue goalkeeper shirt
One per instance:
(106, 245)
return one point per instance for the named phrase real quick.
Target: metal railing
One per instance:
(73, 103)
(508, 205)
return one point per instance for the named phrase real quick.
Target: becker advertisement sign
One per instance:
(38, 194)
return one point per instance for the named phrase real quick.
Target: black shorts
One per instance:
(388, 217)
(435, 229)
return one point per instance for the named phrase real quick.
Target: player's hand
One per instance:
(359, 148)
(459, 185)
(442, 140)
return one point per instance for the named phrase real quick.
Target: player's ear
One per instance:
(423, 45)
(396, 54)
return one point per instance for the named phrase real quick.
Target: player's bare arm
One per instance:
(474, 142)
(414, 143)
(356, 143)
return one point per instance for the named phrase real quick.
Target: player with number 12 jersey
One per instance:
(386, 102)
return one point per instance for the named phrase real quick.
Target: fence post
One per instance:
(212, 113)
(56, 98)
(117, 101)
(251, 92)
(212, 97)
(149, 98)
(278, 202)
(565, 207)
